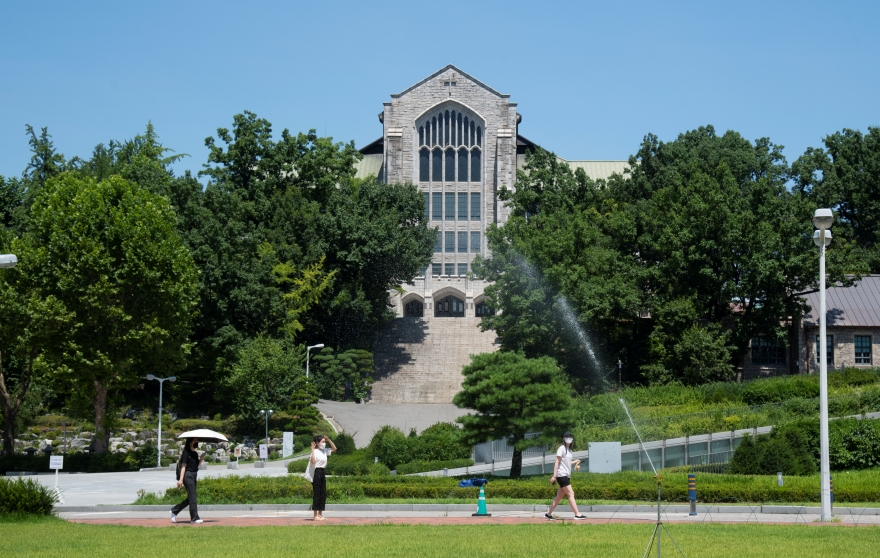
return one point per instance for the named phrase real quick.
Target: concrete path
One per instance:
(93, 489)
(362, 420)
(216, 517)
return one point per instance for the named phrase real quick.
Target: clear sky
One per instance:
(591, 78)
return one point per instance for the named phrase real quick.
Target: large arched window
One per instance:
(449, 307)
(440, 134)
(424, 156)
(414, 308)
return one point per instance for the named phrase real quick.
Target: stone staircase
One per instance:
(419, 360)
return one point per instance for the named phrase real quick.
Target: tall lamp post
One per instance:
(822, 220)
(8, 261)
(159, 437)
(267, 414)
(318, 346)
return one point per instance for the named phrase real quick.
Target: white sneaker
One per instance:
(198, 521)
(173, 517)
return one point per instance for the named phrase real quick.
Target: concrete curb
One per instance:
(524, 508)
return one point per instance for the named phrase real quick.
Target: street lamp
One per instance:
(822, 220)
(8, 261)
(159, 437)
(318, 346)
(267, 414)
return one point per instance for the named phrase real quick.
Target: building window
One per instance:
(768, 352)
(436, 269)
(424, 163)
(462, 270)
(438, 247)
(863, 349)
(475, 206)
(479, 136)
(462, 206)
(450, 165)
(475, 165)
(462, 165)
(437, 206)
(414, 308)
(450, 269)
(483, 310)
(427, 203)
(437, 165)
(829, 343)
(475, 242)
(462, 242)
(450, 206)
(449, 307)
(446, 129)
(450, 242)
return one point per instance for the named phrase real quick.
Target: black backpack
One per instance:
(179, 461)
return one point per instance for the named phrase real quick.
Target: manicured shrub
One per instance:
(843, 405)
(854, 444)
(422, 466)
(25, 496)
(438, 442)
(344, 444)
(777, 390)
(784, 450)
(391, 446)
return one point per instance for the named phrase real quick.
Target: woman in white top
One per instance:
(562, 474)
(318, 460)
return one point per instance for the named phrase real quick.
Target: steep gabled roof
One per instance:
(451, 67)
(856, 306)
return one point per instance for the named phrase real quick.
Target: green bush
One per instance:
(869, 399)
(422, 466)
(853, 377)
(344, 444)
(854, 444)
(843, 405)
(25, 496)
(777, 390)
(84, 462)
(356, 464)
(182, 425)
(784, 450)
(391, 446)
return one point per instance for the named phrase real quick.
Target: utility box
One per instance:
(604, 457)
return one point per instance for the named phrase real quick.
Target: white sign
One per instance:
(287, 446)
(264, 451)
(237, 451)
(604, 457)
(56, 462)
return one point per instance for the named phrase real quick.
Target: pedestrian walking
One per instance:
(317, 464)
(188, 466)
(562, 474)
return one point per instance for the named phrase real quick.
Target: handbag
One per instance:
(309, 475)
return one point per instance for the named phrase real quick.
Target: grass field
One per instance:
(49, 537)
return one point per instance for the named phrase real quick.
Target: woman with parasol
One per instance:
(188, 470)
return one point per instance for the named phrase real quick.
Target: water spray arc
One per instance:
(656, 535)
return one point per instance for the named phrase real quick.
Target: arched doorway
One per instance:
(449, 307)
(414, 308)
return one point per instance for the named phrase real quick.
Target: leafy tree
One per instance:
(845, 176)
(344, 376)
(512, 396)
(109, 253)
(11, 200)
(265, 376)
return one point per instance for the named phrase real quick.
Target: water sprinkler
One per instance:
(655, 535)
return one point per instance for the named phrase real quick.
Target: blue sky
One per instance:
(591, 78)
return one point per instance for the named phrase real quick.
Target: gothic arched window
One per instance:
(463, 164)
(449, 307)
(450, 165)
(421, 135)
(475, 164)
(414, 308)
(437, 165)
(424, 164)
(446, 129)
(479, 136)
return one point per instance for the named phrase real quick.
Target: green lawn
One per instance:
(55, 538)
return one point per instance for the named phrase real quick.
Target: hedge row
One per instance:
(422, 466)
(345, 465)
(25, 496)
(83, 462)
(860, 486)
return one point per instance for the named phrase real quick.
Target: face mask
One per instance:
(195, 445)
(569, 440)
(322, 445)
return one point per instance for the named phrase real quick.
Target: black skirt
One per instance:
(319, 490)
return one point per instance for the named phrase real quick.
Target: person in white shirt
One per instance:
(562, 475)
(318, 461)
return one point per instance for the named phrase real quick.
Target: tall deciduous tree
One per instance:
(845, 176)
(512, 396)
(109, 252)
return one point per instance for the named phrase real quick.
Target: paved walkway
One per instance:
(304, 517)
(362, 420)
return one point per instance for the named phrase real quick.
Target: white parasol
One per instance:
(204, 435)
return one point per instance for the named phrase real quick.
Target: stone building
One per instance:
(458, 140)
(852, 329)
